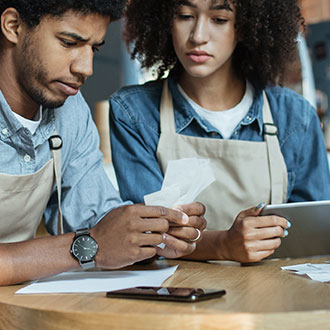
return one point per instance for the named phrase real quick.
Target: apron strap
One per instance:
(55, 144)
(273, 150)
(167, 122)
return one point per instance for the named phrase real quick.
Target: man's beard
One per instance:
(33, 71)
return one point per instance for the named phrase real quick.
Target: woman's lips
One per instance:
(199, 56)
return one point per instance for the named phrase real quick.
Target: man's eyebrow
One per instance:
(80, 38)
(74, 36)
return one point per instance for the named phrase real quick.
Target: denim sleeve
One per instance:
(134, 143)
(312, 176)
(87, 193)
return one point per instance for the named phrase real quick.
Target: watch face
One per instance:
(84, 248)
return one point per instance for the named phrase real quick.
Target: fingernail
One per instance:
(164, 237)
(288, 224)
(260, 205)
(286, 233)
(194, 245)
(185, 219)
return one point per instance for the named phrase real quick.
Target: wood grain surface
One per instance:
(261, 296)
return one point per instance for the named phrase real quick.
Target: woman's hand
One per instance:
(253, 237)
(180, 240)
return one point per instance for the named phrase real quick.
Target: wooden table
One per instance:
(258, 297)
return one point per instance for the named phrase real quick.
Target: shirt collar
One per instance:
(9, 124)
(185, 117)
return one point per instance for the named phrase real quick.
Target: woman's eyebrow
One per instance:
(223, 6)
(214, 6)
(187, 3)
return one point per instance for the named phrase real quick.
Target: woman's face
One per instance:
(204, 37)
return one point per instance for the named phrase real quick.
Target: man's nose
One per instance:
(83, 63)
(200, 32)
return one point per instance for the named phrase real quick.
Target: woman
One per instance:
(220, 102)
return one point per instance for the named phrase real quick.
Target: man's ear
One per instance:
(11, 24)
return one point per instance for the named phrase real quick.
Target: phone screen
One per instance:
(167, 293)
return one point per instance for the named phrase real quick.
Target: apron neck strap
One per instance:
(167, 121)
(55, 144)
(273, 150)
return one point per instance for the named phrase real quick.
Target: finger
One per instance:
(267, 244)
(180, 245)
(252, 211)
(194, 221)
(152, 224)
(267, 233)
(195, 208)
(171, 215)
(259, 255)
(150, 239)
(270, 221)
(186, 233)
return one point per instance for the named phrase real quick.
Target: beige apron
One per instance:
(24, 198)
(246, 172)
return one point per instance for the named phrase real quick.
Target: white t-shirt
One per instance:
(224, 120)
(31, 125)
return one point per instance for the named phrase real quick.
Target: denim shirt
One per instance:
(87, 193)
(135, 130)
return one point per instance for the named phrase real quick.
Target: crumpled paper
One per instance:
(184, 180)
(317, 272)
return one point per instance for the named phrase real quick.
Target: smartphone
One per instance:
(167, 293)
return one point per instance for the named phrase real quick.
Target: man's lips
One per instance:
(199, 56)
(68, 88)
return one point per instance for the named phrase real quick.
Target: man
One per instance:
(47, 136)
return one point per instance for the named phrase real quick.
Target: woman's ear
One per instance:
(11, 24)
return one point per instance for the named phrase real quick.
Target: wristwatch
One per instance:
(84, 248)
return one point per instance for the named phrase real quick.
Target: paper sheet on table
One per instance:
(98, 281)
(184, 180)
(317, 272)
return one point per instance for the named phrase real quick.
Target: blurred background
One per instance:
(309, 75)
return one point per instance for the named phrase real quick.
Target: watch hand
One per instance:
(81, 246)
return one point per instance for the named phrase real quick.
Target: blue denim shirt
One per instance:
(87, 194)
(135, 130)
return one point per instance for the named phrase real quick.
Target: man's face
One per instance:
(55, 58)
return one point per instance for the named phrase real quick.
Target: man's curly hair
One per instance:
(267, 33)
(31, 11)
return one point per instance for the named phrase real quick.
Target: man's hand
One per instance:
(122, 237)
(180, 240)
(253, 237)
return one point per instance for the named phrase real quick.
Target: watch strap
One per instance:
(88, 264)
(82, 231)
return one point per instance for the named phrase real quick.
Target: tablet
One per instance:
(309, 234)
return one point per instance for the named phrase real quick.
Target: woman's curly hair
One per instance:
(31, 11)
(267, 33)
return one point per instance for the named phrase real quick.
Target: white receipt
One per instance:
(317, 272)
(184, 180)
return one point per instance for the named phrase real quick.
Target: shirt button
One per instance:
(27, 158)
(4, 131)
